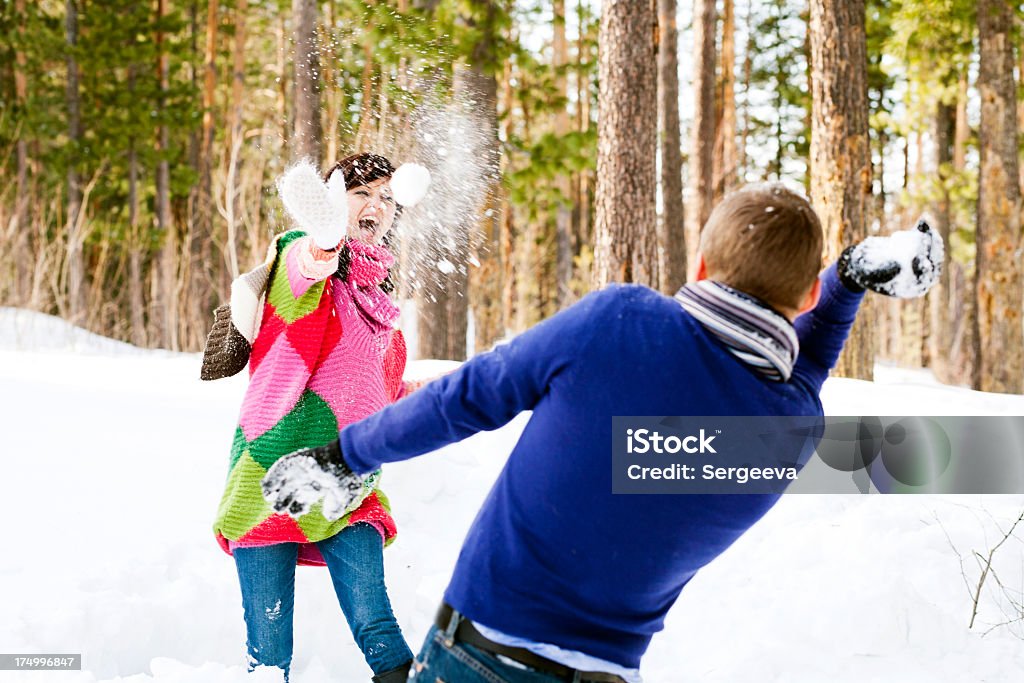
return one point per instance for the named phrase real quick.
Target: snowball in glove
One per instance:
(904, 264)
(298, 480)
(318, 208)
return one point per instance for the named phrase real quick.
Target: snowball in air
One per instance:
(409, 184)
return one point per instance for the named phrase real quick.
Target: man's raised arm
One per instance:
(904, 264)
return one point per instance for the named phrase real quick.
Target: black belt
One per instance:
(466, 633)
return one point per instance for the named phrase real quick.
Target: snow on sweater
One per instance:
(553, 556)
(327, 354)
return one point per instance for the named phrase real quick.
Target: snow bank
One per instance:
(22, 330)
(114, 464)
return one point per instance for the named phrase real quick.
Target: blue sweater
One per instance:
(553, 556)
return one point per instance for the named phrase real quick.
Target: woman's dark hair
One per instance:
(362, 169)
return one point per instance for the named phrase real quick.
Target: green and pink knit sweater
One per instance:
(327, 354)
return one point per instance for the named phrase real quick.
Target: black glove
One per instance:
(904, 264)
(298, 480)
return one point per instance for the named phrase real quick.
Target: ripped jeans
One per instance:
(355, 559)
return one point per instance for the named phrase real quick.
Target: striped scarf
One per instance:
(748, 327)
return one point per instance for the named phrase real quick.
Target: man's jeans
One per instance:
(355, 559)
(443, 660)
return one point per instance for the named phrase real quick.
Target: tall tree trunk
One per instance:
(508, 238)
(919, 344)
(563, 214)
(75, 259)
(725, 138)
(840, 156)
(333, 93)
(626, 249)
(19, 225)
(965, 328)
(283, 85)
(443, 316)
(484, 282)
(748, 69)
(702, 138)
(998, 286)
(306, 141)
(477, 82)
(583, 55)
(235, 137)
(167, 298)
(136, 299)
(205, 208)
(961, 131)
(366, 103)
(940, 317)
(671, 230)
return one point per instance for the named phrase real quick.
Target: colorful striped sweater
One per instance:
(326, 355)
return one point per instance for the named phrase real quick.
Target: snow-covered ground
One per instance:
(114, 460)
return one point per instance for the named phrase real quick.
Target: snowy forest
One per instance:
(140, 143)
(571, 144)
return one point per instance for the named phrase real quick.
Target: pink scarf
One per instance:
(367, 268)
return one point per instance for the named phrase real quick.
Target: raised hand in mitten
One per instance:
(904, 264)
(298, 480)
(318, 208)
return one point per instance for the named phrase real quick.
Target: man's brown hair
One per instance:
(766, 241)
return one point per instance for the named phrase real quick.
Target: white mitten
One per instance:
(318, 208)
(409, 184)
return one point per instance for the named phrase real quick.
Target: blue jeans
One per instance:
(452, 662)
(355, 559)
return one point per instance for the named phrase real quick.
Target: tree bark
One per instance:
(477, 82)
(366, 102)
(136, 298)
(583, 55)
(235, 137)
(725, 164)
(19, 226)
(563, 214)
(283, 86)
(508, 236)
(307, 138)
(484, 282)
(75, 259)
(209, 88)
(626, 249)
(840, 157)
(998, 286)
(167, 299)
(671, 231)
(702, 138)
(961, 130)
(333, 93)
(965, 329)
(748, 68)
(940, 317)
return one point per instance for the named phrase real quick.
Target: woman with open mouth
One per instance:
(327, 353)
